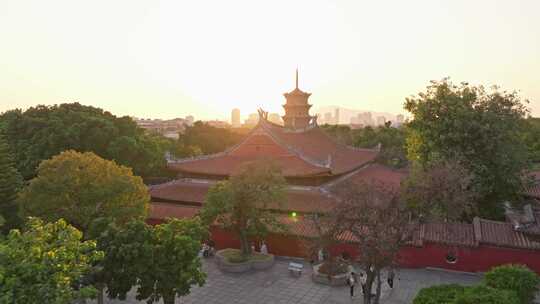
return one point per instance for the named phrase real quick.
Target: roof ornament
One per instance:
(262, 114)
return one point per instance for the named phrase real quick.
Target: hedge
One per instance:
(439, 294)
(517, 278)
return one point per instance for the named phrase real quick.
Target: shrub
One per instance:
(439, 294)
(482, 294)
(333, 268)
(517, 278)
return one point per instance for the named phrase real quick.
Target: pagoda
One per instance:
(310, 160)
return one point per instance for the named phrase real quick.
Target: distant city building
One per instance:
(366, 119)
(235, 118)
(189, 120)
(218, 123)
(381, 120)
(399, 120)
(328, 118)
(336, 116)
(168, 128)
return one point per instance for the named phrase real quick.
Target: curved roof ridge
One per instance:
(309, 160)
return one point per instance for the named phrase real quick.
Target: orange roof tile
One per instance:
(299, 199)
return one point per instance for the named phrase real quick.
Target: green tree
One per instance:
(161, 261)
(445, 293)
(45, 264)
(207, 138)
(440, 192)
(43, 131)
(531, 137)
(10, 184)
(242, 203)
(478, 129)
(172, 265)
(481, 294)
(82, 187)
(517, 278)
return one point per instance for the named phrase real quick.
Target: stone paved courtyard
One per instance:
(277, 286)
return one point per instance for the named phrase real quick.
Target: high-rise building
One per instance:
(189, 120)
(336, 116)
(381, 120)
(235, 118)
(400, 119)
(252, 120)
(328, 118)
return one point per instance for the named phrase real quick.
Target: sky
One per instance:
(166, 59)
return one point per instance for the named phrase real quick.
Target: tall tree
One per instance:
(45, 264)
(10, 184)
(82, 187)
(242, 203)
(43, 131)
(478, 129)
(161, 261)
(374, 213)
(440, 192)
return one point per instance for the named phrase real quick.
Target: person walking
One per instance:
(264, 248)
(390, 277)
(351, 281)
(363, 280)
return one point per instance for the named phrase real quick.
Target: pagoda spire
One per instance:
(297, 77)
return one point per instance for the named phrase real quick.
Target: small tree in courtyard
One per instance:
(161, 261)
(242, 203)
(374, 213)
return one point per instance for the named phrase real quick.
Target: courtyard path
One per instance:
(276, 286)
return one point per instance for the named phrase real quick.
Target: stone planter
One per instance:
(321, 278)
(226, 266)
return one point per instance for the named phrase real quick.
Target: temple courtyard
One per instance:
(276, 286)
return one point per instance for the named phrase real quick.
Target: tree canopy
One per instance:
(43, 131)
(480, 129)
(161, 262)
(392, 141)
(46, 264)
(242, 204)
(202, 138)
(82, 187)
(374, 213)
(10, 184)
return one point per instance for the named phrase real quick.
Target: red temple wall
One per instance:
(470, 259)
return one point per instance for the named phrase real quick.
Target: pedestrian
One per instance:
(205, 250)
(390, 277)
(363, 281)
(321, 255)
(351, 281)
(264, 249)
(252, 247)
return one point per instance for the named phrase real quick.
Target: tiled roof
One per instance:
(371, 173)
(304, 200)
(450, 234)
(534, 189)
(161, 211)
(309, 152)
(503, 234)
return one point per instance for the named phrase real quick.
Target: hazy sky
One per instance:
(173, 58)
